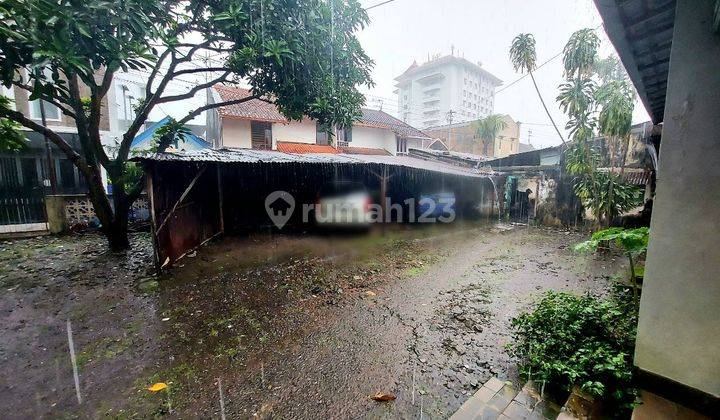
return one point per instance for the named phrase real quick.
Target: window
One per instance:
(67, 174)
(52, 113)
(344, 135)
(29, 168)
(401, 145)
(261, 135)
(322, 134)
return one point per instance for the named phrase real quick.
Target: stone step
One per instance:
(500, 400)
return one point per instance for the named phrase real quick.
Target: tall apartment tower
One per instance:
(428, 92)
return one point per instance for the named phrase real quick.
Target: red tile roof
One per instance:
(262, 111)
(302, 148)
(254, 109)
(381, 119)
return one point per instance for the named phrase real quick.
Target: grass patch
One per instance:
(105, 349)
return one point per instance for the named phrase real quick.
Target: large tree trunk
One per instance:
(117, 232)
(113, 218)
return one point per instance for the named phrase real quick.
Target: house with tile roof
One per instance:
(258, 124)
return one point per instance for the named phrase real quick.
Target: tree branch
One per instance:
(154, 73)
(194, 90)
(45, 98)
(54, 137)
(155, 97)
(200, 70)
(88, 130)
(207, 107)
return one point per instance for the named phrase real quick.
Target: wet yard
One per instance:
(291, 326)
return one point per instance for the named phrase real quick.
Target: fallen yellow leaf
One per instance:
(384, 396)
(158, 387)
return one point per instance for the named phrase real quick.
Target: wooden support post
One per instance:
(182, 197)
(220, 199)
(153, 221)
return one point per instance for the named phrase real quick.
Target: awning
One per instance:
(642, 33)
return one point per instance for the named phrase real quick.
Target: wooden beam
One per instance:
(182, 197)
(220, 198)
(153, 221)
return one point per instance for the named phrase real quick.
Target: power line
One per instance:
(538, 67)
(527, 74)
(379, 4)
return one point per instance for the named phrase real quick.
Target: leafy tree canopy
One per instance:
(300, 54)
(522, 53)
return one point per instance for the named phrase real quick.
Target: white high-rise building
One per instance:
(428, 93)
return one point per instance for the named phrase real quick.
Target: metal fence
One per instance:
(19, 210)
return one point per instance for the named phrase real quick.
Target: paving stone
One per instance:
(516, 411)
(484, 394)
(488, 413)
(526, 399)
(499, 402)
(508, 391)
(469, 410)
(495, 384)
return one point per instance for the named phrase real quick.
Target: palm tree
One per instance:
(580, 53)
(524, 59)
(488, 128)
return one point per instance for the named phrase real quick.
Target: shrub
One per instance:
(580, 340)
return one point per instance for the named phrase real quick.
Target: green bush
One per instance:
(580, 340)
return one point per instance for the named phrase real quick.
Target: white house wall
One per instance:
(236, 133)
(294, 132)
(377, 138)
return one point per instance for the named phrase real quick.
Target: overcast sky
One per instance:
(481, 30)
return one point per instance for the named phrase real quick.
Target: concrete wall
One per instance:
(235, 133)
(679, 332)
(377, 138)
(295, 132)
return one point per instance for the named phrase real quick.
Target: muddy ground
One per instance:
(291, 326)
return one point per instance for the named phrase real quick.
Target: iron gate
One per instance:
(22, 196)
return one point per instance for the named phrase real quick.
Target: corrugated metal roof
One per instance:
(428, 165)
(350, 150)
(229, 155)
(634, 176)
(302, 148)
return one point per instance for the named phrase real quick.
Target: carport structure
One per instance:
(195, 196)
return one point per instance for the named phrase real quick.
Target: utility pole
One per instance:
(450, 115)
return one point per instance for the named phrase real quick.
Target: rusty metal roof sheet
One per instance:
(230, 155)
